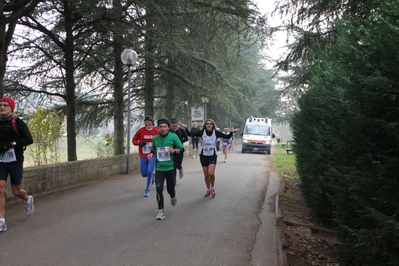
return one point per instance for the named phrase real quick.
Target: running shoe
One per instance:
(225, 161)
(207, 193)
(173, 201)
(213, 193)
(29, 208)
(160, 215)
(146, 192)
(3, 227)
(181, 173)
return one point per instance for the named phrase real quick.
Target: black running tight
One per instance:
(160, 177)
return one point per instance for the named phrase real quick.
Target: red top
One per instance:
(144, 135)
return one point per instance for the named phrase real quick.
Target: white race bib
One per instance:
(147, 148)
(8, 156)
(208, 150)
(163, 154)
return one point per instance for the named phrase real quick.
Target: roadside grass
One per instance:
(285, 165)
(86, 148)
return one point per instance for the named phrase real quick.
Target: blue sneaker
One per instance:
(146, 193)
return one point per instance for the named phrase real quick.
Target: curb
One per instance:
(281, 255)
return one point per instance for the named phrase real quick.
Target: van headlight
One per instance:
(244, 141)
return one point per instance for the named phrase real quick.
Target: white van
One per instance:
(257, 135)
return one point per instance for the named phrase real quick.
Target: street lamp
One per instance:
(205, 101)
(129, 58)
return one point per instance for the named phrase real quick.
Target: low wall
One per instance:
(56, 177)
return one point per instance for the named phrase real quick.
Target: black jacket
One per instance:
(180, 133)
(8, 135)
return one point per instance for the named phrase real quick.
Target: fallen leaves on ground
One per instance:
(302, 245)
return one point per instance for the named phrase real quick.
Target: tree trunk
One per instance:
(70, 88)
(7, 28)
(118, 89)
(3, 50)
(118, 101)
(149, 74)
(170, 93)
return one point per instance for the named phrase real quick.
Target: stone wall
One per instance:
(56, 177)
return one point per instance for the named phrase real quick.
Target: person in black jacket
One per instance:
(195, 140)
(174, 127)
(14, 137)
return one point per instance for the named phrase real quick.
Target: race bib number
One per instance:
(8, 156)
(147, 148)
(208, 150)
(163, 154)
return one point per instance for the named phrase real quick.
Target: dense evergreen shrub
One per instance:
(347, 136)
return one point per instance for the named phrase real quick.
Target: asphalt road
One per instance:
(109, 222)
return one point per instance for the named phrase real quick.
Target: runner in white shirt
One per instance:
(208, 156)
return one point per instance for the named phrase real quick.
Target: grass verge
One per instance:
(285, 164)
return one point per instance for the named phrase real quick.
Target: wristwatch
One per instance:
(13, 143)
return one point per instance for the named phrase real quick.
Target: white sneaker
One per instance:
(29, 208)
(3, 227)
(160, 215)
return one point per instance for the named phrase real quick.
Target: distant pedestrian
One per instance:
(174, 128)
(143, 139)
(208, 156)
(14, 137)
(195, 140)
(165, 145)
(226, 144)
(218, 144)
(232, 141)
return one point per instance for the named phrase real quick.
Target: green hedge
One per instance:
(347, 136)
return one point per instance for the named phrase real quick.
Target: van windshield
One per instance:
(262, 130)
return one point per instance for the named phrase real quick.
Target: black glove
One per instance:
(5, 147)
(142, 144)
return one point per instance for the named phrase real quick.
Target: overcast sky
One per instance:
(276, 47)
